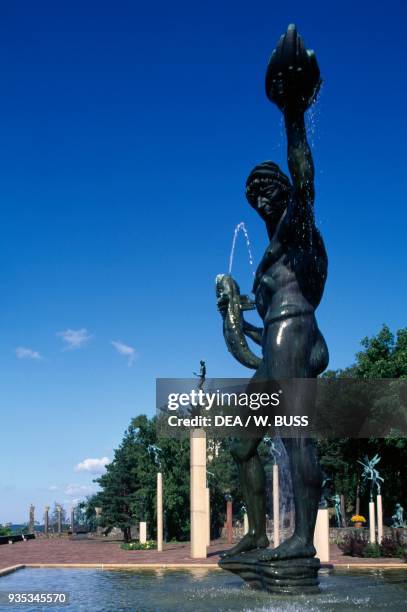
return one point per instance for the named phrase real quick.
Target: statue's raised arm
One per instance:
(292, 83)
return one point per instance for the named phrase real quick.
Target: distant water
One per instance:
(204, 590)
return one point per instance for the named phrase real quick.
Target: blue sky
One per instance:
(127, 132)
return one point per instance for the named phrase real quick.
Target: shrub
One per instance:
(391, 546)
(353, 545)
(372, 550)
(149, 545)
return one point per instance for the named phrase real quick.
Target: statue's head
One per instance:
(268, 190)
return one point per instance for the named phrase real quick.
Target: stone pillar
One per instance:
(358, 499)
(245, 523)
(208, 515)
(73, 519)
(379, 519)
(59, 523)
(159, 511)
(372, 526)
(321, 535)
(343, 510)
(276, 507)
(31, 523)
(46, 520)
(143, 532)
(98, 512)
(198, 495)
(229, 522)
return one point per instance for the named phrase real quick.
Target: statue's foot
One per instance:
(293, 548)
(248, 542)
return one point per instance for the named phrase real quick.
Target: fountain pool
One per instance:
(200, 590)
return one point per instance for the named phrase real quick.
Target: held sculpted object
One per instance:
(288, 288)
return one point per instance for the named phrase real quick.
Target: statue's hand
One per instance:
(293, 79)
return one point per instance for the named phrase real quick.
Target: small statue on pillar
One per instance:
(398, 517)
(338, 510)
(326, 491)
(201, 375)
(372, 474)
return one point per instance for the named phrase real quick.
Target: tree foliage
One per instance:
(128, 487)
(383, 356)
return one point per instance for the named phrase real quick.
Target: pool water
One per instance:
(200, 590)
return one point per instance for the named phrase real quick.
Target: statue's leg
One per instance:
(289, 357)
(253, 487)
(306, 478)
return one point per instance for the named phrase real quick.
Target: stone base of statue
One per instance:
(288, 576)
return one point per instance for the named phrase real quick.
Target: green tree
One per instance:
(383, 356)
(5, 531)
(122, 497)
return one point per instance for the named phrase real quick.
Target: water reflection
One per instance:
(201, 589)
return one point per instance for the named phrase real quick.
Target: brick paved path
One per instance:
(64, 550)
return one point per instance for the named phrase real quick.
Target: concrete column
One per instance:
(46, 520)
(59, 511)
(73, 519)
(358, 499)
(245, 523)
(31, 523)
(343, 510)
(159, 511)
(229, 522)
(379, 519)
(276, 507)
(372, 526)
(321, 535)
(143, 532)
(208, 515)
(198, 495)
(98, 512)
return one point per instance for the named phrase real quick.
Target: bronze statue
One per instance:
(201, 375)
(372, 474)
(398, 517)
(288, 288)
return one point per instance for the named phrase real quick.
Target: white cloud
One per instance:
(78, 491)
(94, 466)
(53, 488)
(27, 353)
(74, 338)
(124, 349)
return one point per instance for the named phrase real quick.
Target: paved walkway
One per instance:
(98, 551)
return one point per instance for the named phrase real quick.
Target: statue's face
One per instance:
(271, 202)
